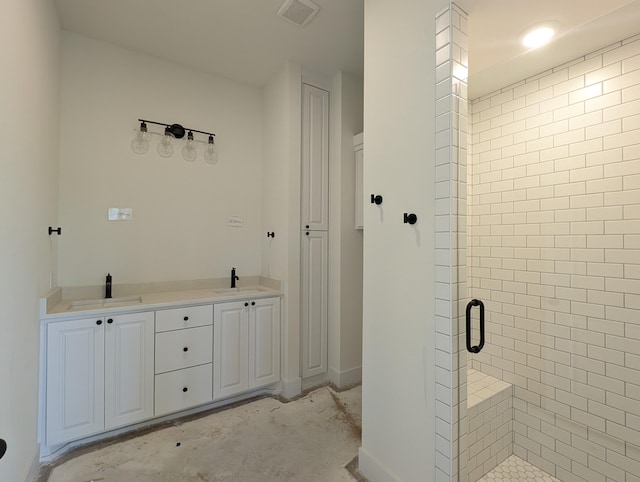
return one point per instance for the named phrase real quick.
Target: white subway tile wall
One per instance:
(554, 253)
(451, 225)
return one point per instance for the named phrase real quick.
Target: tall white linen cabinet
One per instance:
(315, 231)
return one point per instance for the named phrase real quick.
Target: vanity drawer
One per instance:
(186, 317)
(184, 348)
(183, 389)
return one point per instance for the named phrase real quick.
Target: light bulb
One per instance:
(165, 146)
(142, 140)
(189, 151)
(210, 154)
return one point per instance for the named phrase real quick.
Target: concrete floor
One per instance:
(310, 439)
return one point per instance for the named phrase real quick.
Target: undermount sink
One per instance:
(246, 290)
(104, 303)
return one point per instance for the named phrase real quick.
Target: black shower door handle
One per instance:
(477, 348)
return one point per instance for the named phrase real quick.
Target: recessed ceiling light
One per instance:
(538, 37)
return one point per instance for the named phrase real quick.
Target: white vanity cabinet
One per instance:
(184, 344)
(106, 371)
(99, 374)
(246, 345)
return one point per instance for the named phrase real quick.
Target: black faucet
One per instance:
(233, 277)
(107, 291)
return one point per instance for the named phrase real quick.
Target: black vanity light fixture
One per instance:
(142, 140)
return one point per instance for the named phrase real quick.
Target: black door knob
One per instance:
(186, 318)
(376, 199)
(185, 349)
(99, 322)
(110, 320)
(410, 218)
(185, 389)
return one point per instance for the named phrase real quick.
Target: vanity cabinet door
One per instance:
(129, 373)
(230, 348)
(75, 379)
(264, 342)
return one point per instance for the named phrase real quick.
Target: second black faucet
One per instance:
(233, 277)
(107, 289)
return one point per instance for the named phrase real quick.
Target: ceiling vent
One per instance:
(299, 12)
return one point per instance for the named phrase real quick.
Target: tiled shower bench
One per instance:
(490, 416)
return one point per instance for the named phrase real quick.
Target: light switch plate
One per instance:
(235, 221)
(120, 214)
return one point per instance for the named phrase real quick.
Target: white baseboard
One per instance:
(345, 378)
(292, 388)
(372, 469)
(34, 469)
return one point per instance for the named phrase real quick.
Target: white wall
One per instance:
(180, 208)
(28, 205)
(345, 242)
(398, 315)
(281, 207)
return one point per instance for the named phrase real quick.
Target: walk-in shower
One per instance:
(544, 224)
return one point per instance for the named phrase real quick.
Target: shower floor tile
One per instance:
(514, 469)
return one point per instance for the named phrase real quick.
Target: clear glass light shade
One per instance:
(189, 151)
(165, 146)
(210, 154)
(141, 142)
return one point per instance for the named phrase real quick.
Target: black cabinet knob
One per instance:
(307, 233)
(110, 320)
(307, 226)
(410, 218)
(3, 447)
(185, 348)
(99, 322)
(246, 304)
(185, 389)
(253, 303)
(376, 199)
(186, 318)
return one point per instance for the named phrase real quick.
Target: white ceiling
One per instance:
(496, 57)
(244, 40)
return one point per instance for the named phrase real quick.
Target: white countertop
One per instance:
(66, 309)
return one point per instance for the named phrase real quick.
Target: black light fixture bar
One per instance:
(176, 128)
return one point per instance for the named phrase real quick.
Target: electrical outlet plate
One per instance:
(235, 221)
(120, 214)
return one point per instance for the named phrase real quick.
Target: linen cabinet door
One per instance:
(230, 348)
(129, 373)
(314, 303)
(75, 379)
(315, 159)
